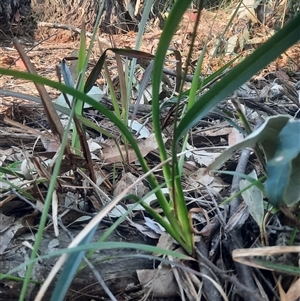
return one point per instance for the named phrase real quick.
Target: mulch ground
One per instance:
(212, 135)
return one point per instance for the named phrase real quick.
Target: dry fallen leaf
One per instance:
(140, 189)
(20, 64)
(111, 154)
(294, 292)
(161, 282)
(200, 179)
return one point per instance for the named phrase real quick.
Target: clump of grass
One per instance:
(175, 217)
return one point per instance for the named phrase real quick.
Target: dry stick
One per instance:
(235, 188)
(188, 78)
(52, 116)
(241, 289)
(219, 213)
(63, 26)
(90, 265)
(60, 223)
(93, 223)
(100, 280)
(209, 289)
(243, 271)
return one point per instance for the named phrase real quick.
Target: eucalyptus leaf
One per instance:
(279, 137)
(292, 193)
(95, 93)
(66, 73)
(283, 183)
(253, 197)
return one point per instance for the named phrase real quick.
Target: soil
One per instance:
(51, 45)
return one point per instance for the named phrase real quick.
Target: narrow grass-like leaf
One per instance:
(78, 103)
(142, 27)
(273, 266)
(131, 53)
(143, 85)
(18, 279)
(94, 126)
(82, 57)
(10, 171)
(175, 230)
(123, 89)
(195, 82)
(170, 27)
(99, 65)
(258, 182)
(64, 146)
(262, 56)
(47, 204)
(99, 246)
(94, 73)
(191, 100)
(181, 220)
(211, 78)
(69, 270)
(228, 25)
(19, 189)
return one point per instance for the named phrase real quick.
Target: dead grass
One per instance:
(207, 140)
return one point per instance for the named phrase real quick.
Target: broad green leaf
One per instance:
(283, 165)
(253, 197)
(283, 157)
(292, 193)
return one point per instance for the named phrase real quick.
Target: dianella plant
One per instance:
(175, 215)
(175, 219)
